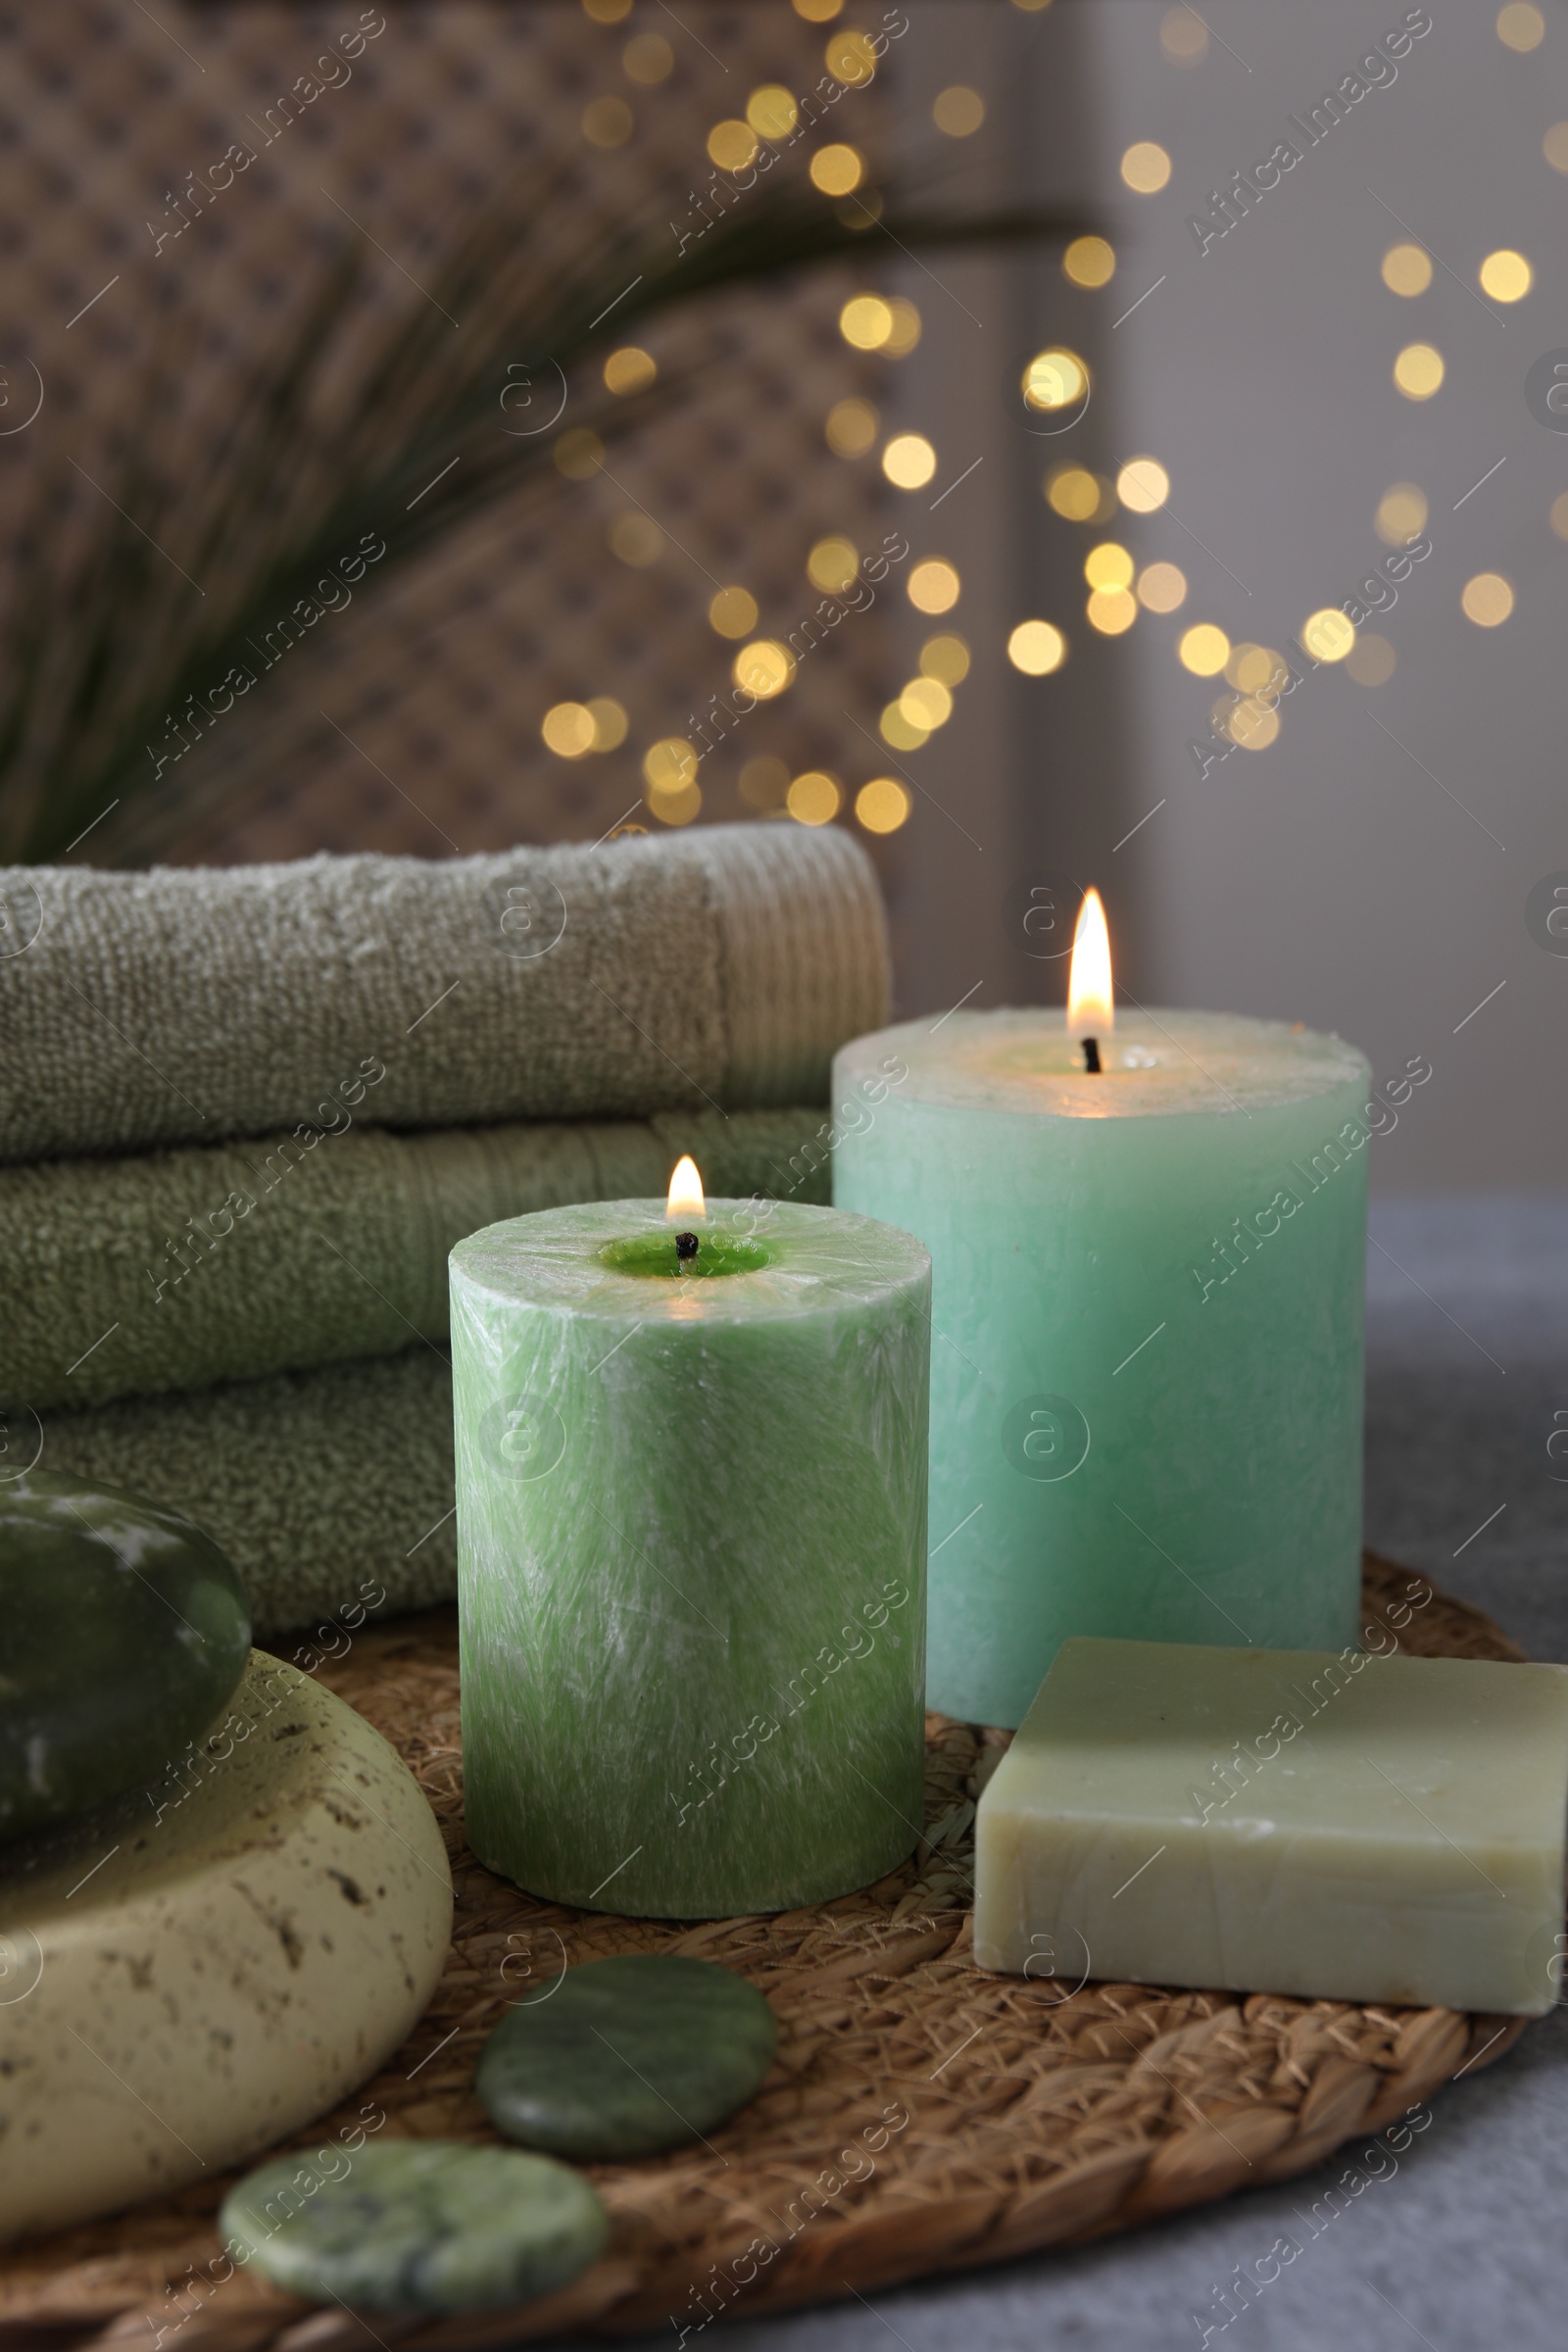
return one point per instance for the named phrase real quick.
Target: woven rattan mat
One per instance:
(921, 2116)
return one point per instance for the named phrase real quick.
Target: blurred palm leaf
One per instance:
(118, 633)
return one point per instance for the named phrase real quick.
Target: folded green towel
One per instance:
(720, 967)
(173, 1270)
(323, 1487)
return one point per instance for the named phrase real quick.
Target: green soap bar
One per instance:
(627, 2057)
(127, 1628)
(426, 2225)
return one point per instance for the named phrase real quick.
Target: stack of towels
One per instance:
(245, 1113)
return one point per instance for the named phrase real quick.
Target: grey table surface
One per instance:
(1462, 2242)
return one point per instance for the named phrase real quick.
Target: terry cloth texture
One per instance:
(174, 1270)
(319, 1485)
(719, 968)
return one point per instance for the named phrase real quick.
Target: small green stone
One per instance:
(415, 2225)
(125, 1631)
(627, 2057)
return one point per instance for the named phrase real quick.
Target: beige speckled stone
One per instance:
(193, 1978)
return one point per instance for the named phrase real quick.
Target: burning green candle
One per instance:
(691, 1516)
(1148, 1234)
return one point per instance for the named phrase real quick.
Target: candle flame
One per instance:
(1091, 1007)
(686, 1191)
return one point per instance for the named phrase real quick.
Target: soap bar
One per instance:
(1332, 1824)
(200, 1972)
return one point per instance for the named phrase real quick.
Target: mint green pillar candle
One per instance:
(1147, 1353)
(691, 1538)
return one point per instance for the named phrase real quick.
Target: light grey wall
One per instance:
(1369, 871)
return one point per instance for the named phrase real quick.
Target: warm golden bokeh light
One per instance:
(1255, 669)
(764, 667)
(610, 722)
(1091, 998)
(678, 802)
(934, 585)
(669, 765)
(1402, 514)
(1078, 496)
(882, 806)
(1184, 36)
(850, 57)
(1111, 611)
(648, 57)
(838, 169)
(1253, 725)
(832, 565)
(1487, 599)
(1143, 485)
(763, 783)
(630, 370)
(733, 613)
(1090, 261)
(1108, 565)
(851, 428)
(903, 733)
(1506, 275)
(732, 144)
(1146, 167)
(866, 321)
(1203, 650)
(1370, 662)
(1559, 515)
(676, 807)
(606, 12)
(1037, 648)
(1162, 587)
(772, 111)
(568, 729)
(904, 332)
(1521, 26)
(636, 539)
(1418, 370)
(578, 453)
(946, 657)
(1328, 634)
(1055, 380)
(1407, 270)
(1554, 146)
(909, 461)
(813, 799)
(607, 122)
(817, 11)
(926, 703)
(959, 111)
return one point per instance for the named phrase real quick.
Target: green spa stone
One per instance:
(627, 2057)
(415, 2225)
(125, 1630)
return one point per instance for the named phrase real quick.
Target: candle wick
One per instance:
(686, 1246)
(1092, 1056)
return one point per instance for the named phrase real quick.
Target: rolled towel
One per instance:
(173, 1270)
(716, 968)
(323, 1487)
